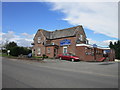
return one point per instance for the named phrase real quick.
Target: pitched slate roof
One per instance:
(61, 33)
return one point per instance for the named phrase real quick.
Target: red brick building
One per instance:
(90, 53)
(72, 40)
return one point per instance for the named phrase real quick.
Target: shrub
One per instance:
(15, 51)
(45, 56)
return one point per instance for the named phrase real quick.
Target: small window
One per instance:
(48, 50)
(81, 37)
(53, 43)
(39, 39)
(86, 41)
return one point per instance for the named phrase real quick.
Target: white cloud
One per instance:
(26, 35)
(10, 35)
(22, 39)
(101, 17)
(104, 43)
(24, 42)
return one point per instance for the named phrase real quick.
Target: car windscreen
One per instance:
(72, 55)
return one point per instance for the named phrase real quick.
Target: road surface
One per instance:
(27, 74)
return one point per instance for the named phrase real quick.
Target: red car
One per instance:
(68, 56)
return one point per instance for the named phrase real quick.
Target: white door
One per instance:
(65, 49)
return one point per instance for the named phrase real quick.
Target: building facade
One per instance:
(69, 40)
(88, 52)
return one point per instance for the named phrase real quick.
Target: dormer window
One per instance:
(81, 37)
(39, 39)
(53, 43)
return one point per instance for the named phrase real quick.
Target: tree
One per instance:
(116, 47)
(4, 44)
(16, 50)
(10, 45)
(111, 45)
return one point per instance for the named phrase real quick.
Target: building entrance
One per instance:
(55, 51)
(65, 49)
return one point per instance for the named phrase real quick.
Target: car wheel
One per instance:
(72, 60)
(60, 58)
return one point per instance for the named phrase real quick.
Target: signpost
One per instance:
(8, 51)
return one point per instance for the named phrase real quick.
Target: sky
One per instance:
(21, 20)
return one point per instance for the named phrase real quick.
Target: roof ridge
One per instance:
(69, 28)
(45, 30)
(61, 29)
(71, 31)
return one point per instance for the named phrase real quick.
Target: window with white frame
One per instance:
(65, 49)
(39, 51)
(48, 51)
(39, 39)
(81, 37)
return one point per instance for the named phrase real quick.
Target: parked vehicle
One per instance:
(68, 56)
(29, 55)
(102, 59)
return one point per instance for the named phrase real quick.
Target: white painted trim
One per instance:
(103, 48)
(84, 45)
(91, 46)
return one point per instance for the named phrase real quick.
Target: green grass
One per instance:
(5, 55)
(36, 57)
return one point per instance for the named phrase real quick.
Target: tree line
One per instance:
(15, 50)
(116, 47)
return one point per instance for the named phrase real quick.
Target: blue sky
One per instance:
(29, 17)
(21, 20)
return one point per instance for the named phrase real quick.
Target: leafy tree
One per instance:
(15, 50)
(10, 45)
(4, 44)
(116, 47)
(111, 45)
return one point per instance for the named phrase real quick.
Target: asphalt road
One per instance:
(61, 74)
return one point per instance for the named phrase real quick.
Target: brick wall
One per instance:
(84, 54)
(111, 55)
(39, 45)
(99, 54)
(70, 48)
(51, 53)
